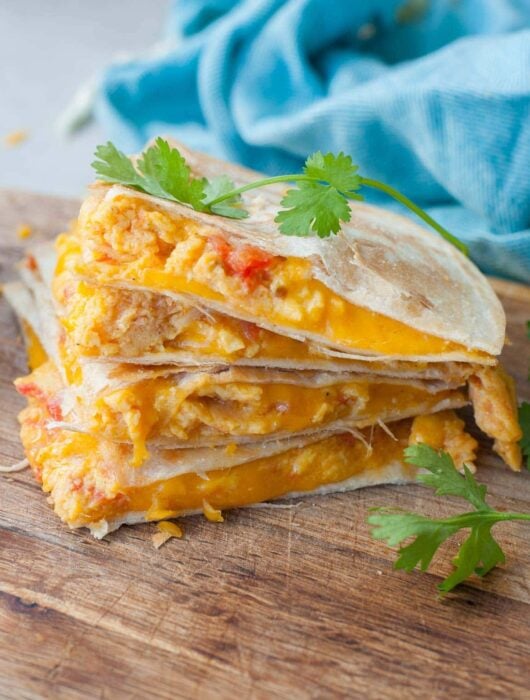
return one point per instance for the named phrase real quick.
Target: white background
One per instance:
(47, 49)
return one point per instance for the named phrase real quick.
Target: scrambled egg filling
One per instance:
(492, 394)
(122, 322)
(445, 431)
(128, 240)
(204, 405)
(83, 473)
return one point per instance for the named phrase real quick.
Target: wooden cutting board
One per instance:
(277, 602)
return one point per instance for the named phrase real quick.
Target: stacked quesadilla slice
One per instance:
(185, 362)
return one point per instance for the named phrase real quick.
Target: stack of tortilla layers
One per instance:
(184, 362)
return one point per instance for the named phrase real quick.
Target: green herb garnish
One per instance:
(478, 554)
(318, 204)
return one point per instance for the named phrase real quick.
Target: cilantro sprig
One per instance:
(161, 171)
(478, 554)
(317, 204)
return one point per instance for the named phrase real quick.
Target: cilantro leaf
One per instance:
(166, 173)
(114, 166)
(160, 171)
(524, 422)
(338, 171)
(444, 477)
(231, 207)
(395, 527)
(313, 207)
(478, 554)
(320, 204)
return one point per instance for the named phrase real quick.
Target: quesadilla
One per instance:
(189, 407)
(383, 290)
(186, 362)
(92, 484)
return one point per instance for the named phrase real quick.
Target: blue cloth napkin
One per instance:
(431, 97)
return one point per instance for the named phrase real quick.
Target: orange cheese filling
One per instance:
(156, 410)
(127, 240)
(82, 473)
(207, 406)
(108, 321)
(70, 466)
(35, 352)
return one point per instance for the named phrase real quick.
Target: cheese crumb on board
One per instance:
(166, 531)
(15, 138)
(24, 231)
(212, 514)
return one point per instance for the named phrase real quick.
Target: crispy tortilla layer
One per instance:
(81, 472)
(129, 241)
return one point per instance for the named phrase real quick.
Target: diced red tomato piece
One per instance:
(30, 262)
(32, 390)
(250, 330)
(221, 247)
(245, 261)
(54, 409)
(77, 484)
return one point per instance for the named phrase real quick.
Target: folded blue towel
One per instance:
(431, 97)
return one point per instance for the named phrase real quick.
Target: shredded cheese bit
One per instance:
(172, 528)
(18, 467)
(212, 514)
(15, 138)
(24, 231)
(166, 531)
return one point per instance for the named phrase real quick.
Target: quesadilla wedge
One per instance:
(140, 327)
(383, 287)
(183, 362)
(92, 485)
(182, 408)
(224, 405)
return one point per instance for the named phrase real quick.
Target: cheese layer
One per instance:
(110, 322)
(85, 474)
(204, 405)
(129, 241)
(35, 352)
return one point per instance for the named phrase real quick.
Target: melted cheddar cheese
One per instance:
(127, 240)
(108, 321)
(207, 406)
(35, 352)
(445, 431)
(82, 473)
(159, 410)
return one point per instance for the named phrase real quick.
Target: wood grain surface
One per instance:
(277, 602)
